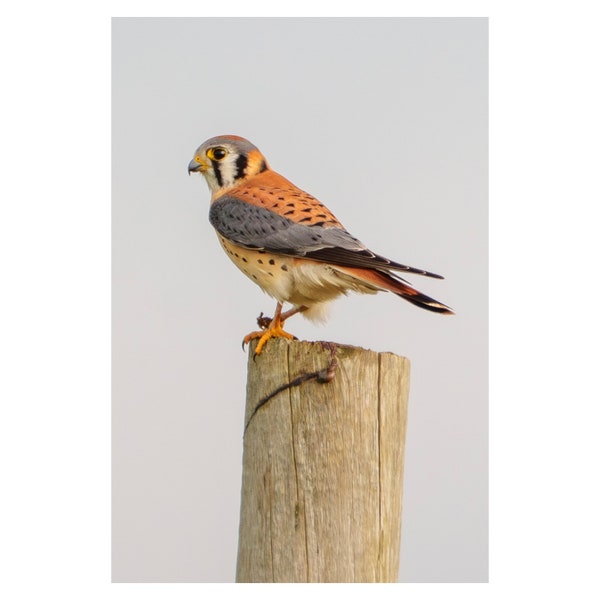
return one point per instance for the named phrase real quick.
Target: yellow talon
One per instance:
(271, 327)
(274, 330)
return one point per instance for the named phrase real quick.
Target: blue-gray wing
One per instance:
(256, 227)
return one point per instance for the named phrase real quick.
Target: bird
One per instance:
(288, 242)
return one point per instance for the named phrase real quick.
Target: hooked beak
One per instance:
(196, 164)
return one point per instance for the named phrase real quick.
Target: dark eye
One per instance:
(219, 153)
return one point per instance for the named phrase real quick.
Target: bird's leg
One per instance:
(290, 313)
(264, 322)
(272, 327)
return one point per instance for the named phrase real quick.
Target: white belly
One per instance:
(298, 281)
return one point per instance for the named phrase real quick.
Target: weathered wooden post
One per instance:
(323, 464)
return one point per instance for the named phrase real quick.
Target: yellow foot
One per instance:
(274, 330)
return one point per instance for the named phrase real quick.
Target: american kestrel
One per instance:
(288, 242)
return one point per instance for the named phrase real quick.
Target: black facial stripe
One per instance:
(263, 167)
(217, 171)
(240, 164)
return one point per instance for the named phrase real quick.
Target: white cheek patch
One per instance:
(228, 170)
(211, 180)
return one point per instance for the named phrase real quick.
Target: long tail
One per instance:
(398, 286)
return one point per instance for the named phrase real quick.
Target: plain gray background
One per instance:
(384, 120)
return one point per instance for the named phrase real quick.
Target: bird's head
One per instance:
(226, 160)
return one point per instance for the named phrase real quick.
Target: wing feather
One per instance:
(259, 228)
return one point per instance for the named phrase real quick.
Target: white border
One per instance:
(56, 310)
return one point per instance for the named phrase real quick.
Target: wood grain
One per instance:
(323, 465)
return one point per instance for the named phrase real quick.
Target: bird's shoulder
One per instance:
(273, 192)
